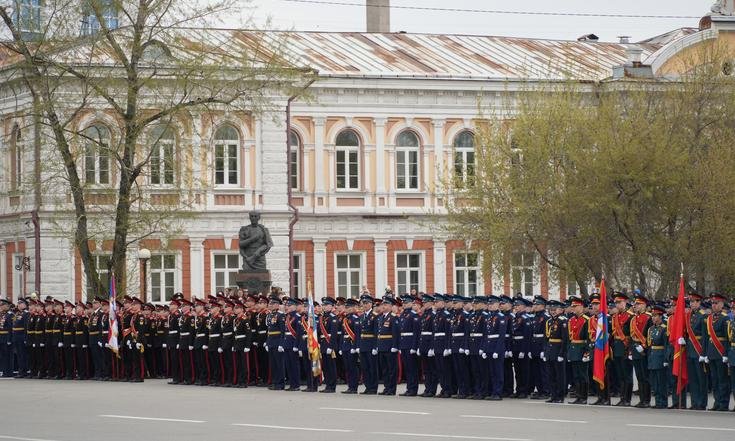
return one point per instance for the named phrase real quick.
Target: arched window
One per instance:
(16, 152)
(348, 160)
(294, 173)
(97, 155)
(407, 161)
(163, 153)
(464, 157)
(226, 156)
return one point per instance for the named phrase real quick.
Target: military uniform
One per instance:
(620, 350)
(657, 361)
(260, 354)
(201, 359)
(496, 328)
(578, 352)
(292, 347)
(227, 356)
(520, 345)
(457, 344)
(134, 330)
(19, 338)
(475, 349)
(368, 347)
(696, 333)
(441, 346)
(351, 336)
(95, 342)
(214, 350)
(172, 348)
(274, 346)
(241, 347)
(717, 338)
(638, 331)
(387, 347)
(425, 352)
(52, 338)
(409, 326)
(69, 326)
(185, 345)
(6, 342)
(537, 352)
(557, 340)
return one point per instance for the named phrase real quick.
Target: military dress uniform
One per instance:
(475, 349)
(427, 358)
(276, 327)
(731, 354)
(458, 342)
(696, 334)
(173, 348)
(214, 350)
(717, 338)
(557, 340)
(69, 324)
(368, 346)
(538, 358)
(351, 336)
(520, 345)
(107, 357)
(33, 344)
(241, 348)
(134, 331)
(6, 342)
(19, 339)
(620, 350)
(95, 342)
(638, 331)
(658, 362)
(327, 331)
(496, 328)
(52, 338)
(185, 346)
(227, 356)
(261, 356)
(443, 360)
(201, 358)
(387, 346)
(292, 347)
(578, 353)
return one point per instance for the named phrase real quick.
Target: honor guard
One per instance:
(638, 331)
(441, 349)
(242, 344)
(214, 350)
(67, 343)
(292, 345)
(328, 343)
(388, 345)
(185, 343)
(476, 326)
(520, 345)
(6, 342)
(276, 327)
(494, 349)
(201, 359)
(717, 353)
(368, 346)
(696, 333)
(557, 338)
(171, 346)
(425, 351)
(578, 349)
(350, 345)
(620, 347)
(409, 326)
(506, 307)
(20, 336)
(658, 341)
(227, 355)
(537, 350)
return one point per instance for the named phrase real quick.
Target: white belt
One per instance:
(406, 334)
(476, 334)
(173, 332)
(426, 333)
(458, 334)
(238, 337)
(539, 335)
(518, 337)
(201, 335)
(227, 333)
(184, 334)
(213, 335)
(262, 332)
(493, 336)
(439, 334)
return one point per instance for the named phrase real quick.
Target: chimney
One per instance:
(633, 67)
(378, 15)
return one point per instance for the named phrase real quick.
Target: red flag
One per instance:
(602, 345)
(676, 332)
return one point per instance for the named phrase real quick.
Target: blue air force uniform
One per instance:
(441, 345)
(496, 328)
(458, 344)
(520, 345)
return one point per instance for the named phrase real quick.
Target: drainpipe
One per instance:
(291, 207)
(37, 191)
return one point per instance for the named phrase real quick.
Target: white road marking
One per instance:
(346, 409)
(656, 426)
(545, 420)
(23, 439)
(171, 420)
(308, 429)
(433, 435)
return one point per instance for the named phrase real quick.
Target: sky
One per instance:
(285, 14)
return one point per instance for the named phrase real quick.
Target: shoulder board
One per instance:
(723, 313)
(500, 314)
(563, 318)
(585, 316)
(629, 312)
(649, 314)
(413, 312)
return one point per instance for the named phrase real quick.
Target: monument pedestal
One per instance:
(254, 281)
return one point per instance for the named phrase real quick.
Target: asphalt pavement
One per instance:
(50, 410)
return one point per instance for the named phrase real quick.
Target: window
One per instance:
(407, 161)
(18, 276)
(97, 155)
(298, 274)
(408, 272)
(522, 273)
(163, 277)
(294, 176)
(16, 151)
(162, 156)
(464, 158)
(90, 24)
(466, 274)
(28, 17)
(226, 267)
(226, 156)
(348, 162)
(101, 261)
(349, 275)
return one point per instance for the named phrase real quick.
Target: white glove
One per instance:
(60, 345)
(33, 345)
(702, 358)
(357, 350)
(446, 352)
(521, 355)
(130, 346)
(178, 346)
(301, 354)
(296, 349)
(74, 346)
(84, 346)
(509, 354)
(630, 357)
(164, 345)
(138, 346)
(219, 350)
(543, 356)
(461, 351)
(191, 348)
(352, 351)
(266, 348)
(530, 356)
(374, 352)
(495, 355)
(418, 352)
(232, 349)
(484, 356)
(256, 344)
(431, 353)
(681, 341)
(560, 359)
(666, 364)
(340, 352)
(280, 349)
(107, 345)
(43, 345)
(394, 350)
(412, 352)
(246, 350)
(449, 352)
(724, 359)
(205, 347)
(329, 351)
(586, 359)
(639, 348)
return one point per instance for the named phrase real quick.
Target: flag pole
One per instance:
(679, 350)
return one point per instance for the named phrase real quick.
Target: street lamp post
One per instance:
(143, 255)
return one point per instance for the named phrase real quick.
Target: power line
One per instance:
(495, 11)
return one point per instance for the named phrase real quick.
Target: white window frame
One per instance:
(28, 16)
(177, 271)
(295, 160)
(405, 168)
(421, 271)
(225, 144)
(101, 269)
(19, 276)
(463, 152)
(347, 151)
(213, 281)
(90, 24)
(97, 157)
(159, 142)
(299, 275)
(466, 269)
(17, 152)
(523, 269)
(360, 273)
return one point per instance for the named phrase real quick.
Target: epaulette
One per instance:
(563, 317)
(585, 316)
(629, 312)
(501, 314)
(412, 312)
(648, 314)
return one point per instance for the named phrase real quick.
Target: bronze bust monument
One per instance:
(255, 242)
